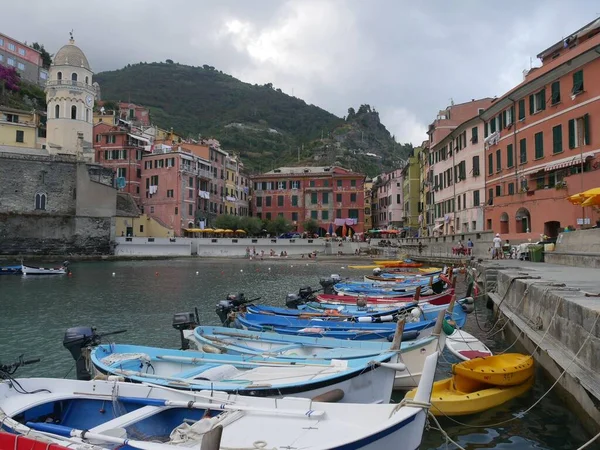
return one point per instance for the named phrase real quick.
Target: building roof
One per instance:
(24, 150)
(307, 169)
(71, 55)
(126, 206)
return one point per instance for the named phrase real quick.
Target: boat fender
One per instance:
(467, 300)
(448, 328)
(333, 396)
(210, 349)
(468, 308)
(410, 335)
(398, 367)
(115, 378)
(361, 302)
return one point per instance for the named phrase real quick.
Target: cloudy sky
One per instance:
(406, 58)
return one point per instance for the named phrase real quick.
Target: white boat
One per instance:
(28, 270)
(99, 415)
(466, 346)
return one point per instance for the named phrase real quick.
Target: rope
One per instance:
(589, 442)
(410, 403)
(441, 430)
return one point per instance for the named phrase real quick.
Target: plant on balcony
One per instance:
(561, 185)
(524, 189)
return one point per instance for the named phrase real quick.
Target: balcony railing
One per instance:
(70, 83)
(198, 172)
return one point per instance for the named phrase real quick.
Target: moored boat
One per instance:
(30, 270)
(466, 346)
(10, 270)
(508, 369)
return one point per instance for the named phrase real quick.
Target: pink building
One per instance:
(136, 114)
(27, 61)
(389, 210)
(176, 185)
(455, 169)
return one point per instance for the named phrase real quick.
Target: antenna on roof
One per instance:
(71, 35)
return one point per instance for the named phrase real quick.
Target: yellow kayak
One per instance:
(372, 266)
(459, 396)
(508, 369)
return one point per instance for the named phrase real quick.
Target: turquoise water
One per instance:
(142, 297)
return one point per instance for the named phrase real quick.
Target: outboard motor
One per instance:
(292, 301)
(79, 340)
(232, 303)
(306, 293)
(377, 271)
(328, 283)
(183, 322)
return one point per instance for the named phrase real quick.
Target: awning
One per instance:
(139, 138)
(438, 226)
(564, 164)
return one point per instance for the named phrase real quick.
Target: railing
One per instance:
(70, 83)
(198, 172)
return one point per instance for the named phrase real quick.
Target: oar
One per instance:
(185, 359)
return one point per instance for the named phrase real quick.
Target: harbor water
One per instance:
(142, 296)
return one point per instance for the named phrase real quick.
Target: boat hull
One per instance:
(27, 270)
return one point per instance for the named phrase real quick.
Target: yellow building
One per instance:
(368, 188)
(411, 190)
(231, 188)
(107, 116)
(19, 128)
(130, 222)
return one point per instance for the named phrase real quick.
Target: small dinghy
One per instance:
(466, 346)
(29, 270)
(508, 369)
(10, 270)
(459, 396)
(103, 415)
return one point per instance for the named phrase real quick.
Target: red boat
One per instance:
(436, 299)
(19, 442)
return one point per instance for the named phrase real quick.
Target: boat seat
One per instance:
(127, 419)
(209, 372)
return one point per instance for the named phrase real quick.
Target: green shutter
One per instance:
(512, 113)
(504, 120)
(493, 125)
(531, 104)
(474, 134)
(577, 82)
(485, 130)
(586, 129)
(555, 92)
(543, 99)
(490, 164)
(539, 145)
(523, 150)
(509, 156)
(572, 133)
(521, 109)
(557, 139)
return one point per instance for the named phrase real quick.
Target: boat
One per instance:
(251, 375)
(20, 442)
(362, 267)
(459, 396)
(508, 369)
(434, 299)
(103, 415)
(10, 270)
(466, 346)
(30, 270)
(398, 263)
(268, 344)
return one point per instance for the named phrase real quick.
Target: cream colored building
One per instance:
(70, 96)
(20, 128)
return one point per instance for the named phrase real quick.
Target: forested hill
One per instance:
(266, 126)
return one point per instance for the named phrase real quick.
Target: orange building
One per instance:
(542, 142)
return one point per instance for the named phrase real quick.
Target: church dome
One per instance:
(71, 55)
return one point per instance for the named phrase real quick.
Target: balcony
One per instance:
(201, 173)
(70, 84)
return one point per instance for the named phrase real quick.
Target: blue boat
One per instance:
(362, 380)
(10, 270)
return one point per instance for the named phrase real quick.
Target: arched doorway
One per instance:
(551, 228)
(340, 230)
(322, 231)
(523, 221)
(504, 223)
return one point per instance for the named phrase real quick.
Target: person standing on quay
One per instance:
(497, 247)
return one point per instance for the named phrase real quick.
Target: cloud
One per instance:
(406, 58)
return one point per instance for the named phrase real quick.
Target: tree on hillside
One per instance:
(46, 57)
(310, 226)
(351, 113)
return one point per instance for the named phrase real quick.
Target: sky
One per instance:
(408, 59)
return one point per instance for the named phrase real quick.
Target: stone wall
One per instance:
(576, 248)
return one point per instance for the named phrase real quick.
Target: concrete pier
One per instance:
(552, 311)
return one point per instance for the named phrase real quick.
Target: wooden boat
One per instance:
(20, 442)
(10, 270)
(103, 415)
(434, 299)
(466, 346)
(508, 369)
(251, 375)
(459, 396)
(29, 270)
(398, 263)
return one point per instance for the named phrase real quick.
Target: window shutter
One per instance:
(572, 133)
(512, 114)
(555, 92)
(586, 129)
(504, 119)
(557, 139)
(531, 104)
(543, 99)
(521, 109)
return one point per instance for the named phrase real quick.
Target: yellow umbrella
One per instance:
(219, 230)
(208, 230)
(228, 231)
(578, 199)
(240, 231)
(592, 200)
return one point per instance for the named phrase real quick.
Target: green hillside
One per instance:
(266, 126)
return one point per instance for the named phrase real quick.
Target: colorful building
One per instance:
(332, 196)
(390, 200)
(136, 115)
(425, 190)
(542, 143)
(19, 128)
(368, 187)
(236, 187)
(411, 184)
(27, 61)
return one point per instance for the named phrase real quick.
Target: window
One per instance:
(338, 213)
(314, 215)
(59, 76)
(577, 127)
(498, 160)
(268, 216)
(325, 198)
(522, 109)
(314, 198)
(490, 196)
(551, 179)
(295, 184)
(476, 201)
(87, 80)
(557, 146)
(190, 193)
(474, 138)
(490, 164)
(74, 112)
(511, 188)
(398, 199)
(326, 183)
(268, 201)
(539, 182)
(294, 217)
(22, 51)
(190, 181)
(11, 46)
(539, 145)
(475, 166)
(20, 137)
(121, 172)
(169, 193)
(577, 82)
(11, 62)
(352, 198)
(259, 201)
(555, 97)
(353, 213)
(73, 76)
(312, 183)
(294, 200)
(498, 191)
(324, 215)
(98, 138)
(176, 210)
(40, 202)
(338, 197)
(509, 156)
(280, 184)
(339, 183)
(1, 42)
(43, 74)
(1, 57)
(459, 203)
(523, 151)
(537, 102)
(353, 184)
(190, 210)
(280, 200)
(20, 66)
